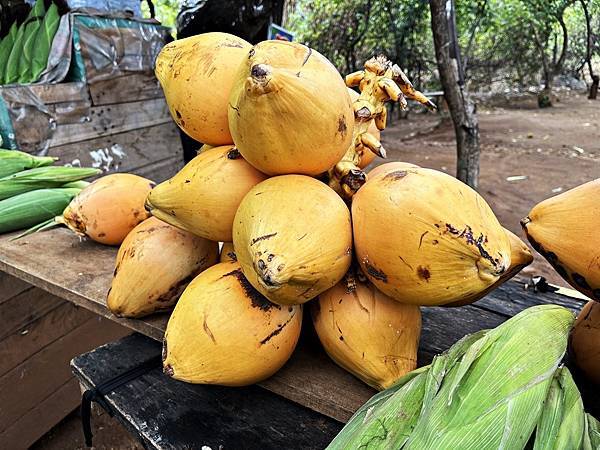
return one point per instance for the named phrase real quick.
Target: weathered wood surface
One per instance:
(309, 378)
(127, 88)
(111, 119)
(55, 93)
(39, 334)
(168, 414)
(125, 152)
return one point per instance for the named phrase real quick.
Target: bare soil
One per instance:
(556, 149)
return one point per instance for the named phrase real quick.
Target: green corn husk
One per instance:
(31, 208)
(42, 178)
(31, 29)
(485, 393)
(43, 42)
(76, 184)
(591, 435)
(5, 47)
(13, 161)
(563, 424)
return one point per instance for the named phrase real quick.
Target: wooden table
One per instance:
(81, 272)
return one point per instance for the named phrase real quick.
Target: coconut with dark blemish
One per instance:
(424, 238)
(289, 110)
(223, 331)
(563, 230)
(366, 332)
(294, 240)
(155, 263)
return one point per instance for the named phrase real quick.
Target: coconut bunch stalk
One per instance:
(5, 48)
(381, 81)
(488, 391)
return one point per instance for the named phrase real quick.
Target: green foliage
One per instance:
(165, 11)
(511, 42)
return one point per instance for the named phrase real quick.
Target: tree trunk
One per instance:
(588, 54)
(462, 109)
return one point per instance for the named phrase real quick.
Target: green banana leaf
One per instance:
(43, 42)
(5, 47)
(32, 25)
(11, 73)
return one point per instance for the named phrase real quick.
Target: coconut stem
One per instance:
(379, 82)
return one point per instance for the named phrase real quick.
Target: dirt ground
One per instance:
(555, 149)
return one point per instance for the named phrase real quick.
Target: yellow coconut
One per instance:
(423, 237)
(109, 208)
(289, 110)
(227, 252)
(196, 75)
(155, 263)
(223, 331)
(390, 167)
(204, 196)
(293, 238)
(204, 147)
(366, 332)
(520, 257)
(367, 155)
(584, 342)
(563, 230)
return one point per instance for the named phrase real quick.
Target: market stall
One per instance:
(310, 378)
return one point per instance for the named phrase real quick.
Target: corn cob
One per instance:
(13, 161)
(43, 42)
(487, 392)
(31, 208)
(32, 26)
(42, 178)
(5, 49)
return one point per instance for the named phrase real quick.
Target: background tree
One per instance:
(462, 109)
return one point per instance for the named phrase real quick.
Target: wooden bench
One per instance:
(310, 378)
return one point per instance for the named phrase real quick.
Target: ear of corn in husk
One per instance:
(32, 26)
(41, 178)
(562, 422)
(486, 392)
(13, 161)
(43, 42)
(5, 48)
(31, 208)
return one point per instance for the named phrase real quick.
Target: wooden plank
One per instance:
(127, 88)
(25, 308)
(168, 414)
(11, 286)
(47, 370)
(37, 334)
(84, 278)
(55, 93)
(124, 152)
(36, 422)
(111, 119)
(161, 170)
(86, 274)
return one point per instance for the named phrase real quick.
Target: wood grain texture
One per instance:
(43, 373)
(55, 93)
(11, 286)
(127, 88)
(130, 151)
(111, 119)
(36, 334)
(36, 422)
(168, 414)
(310, 377)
